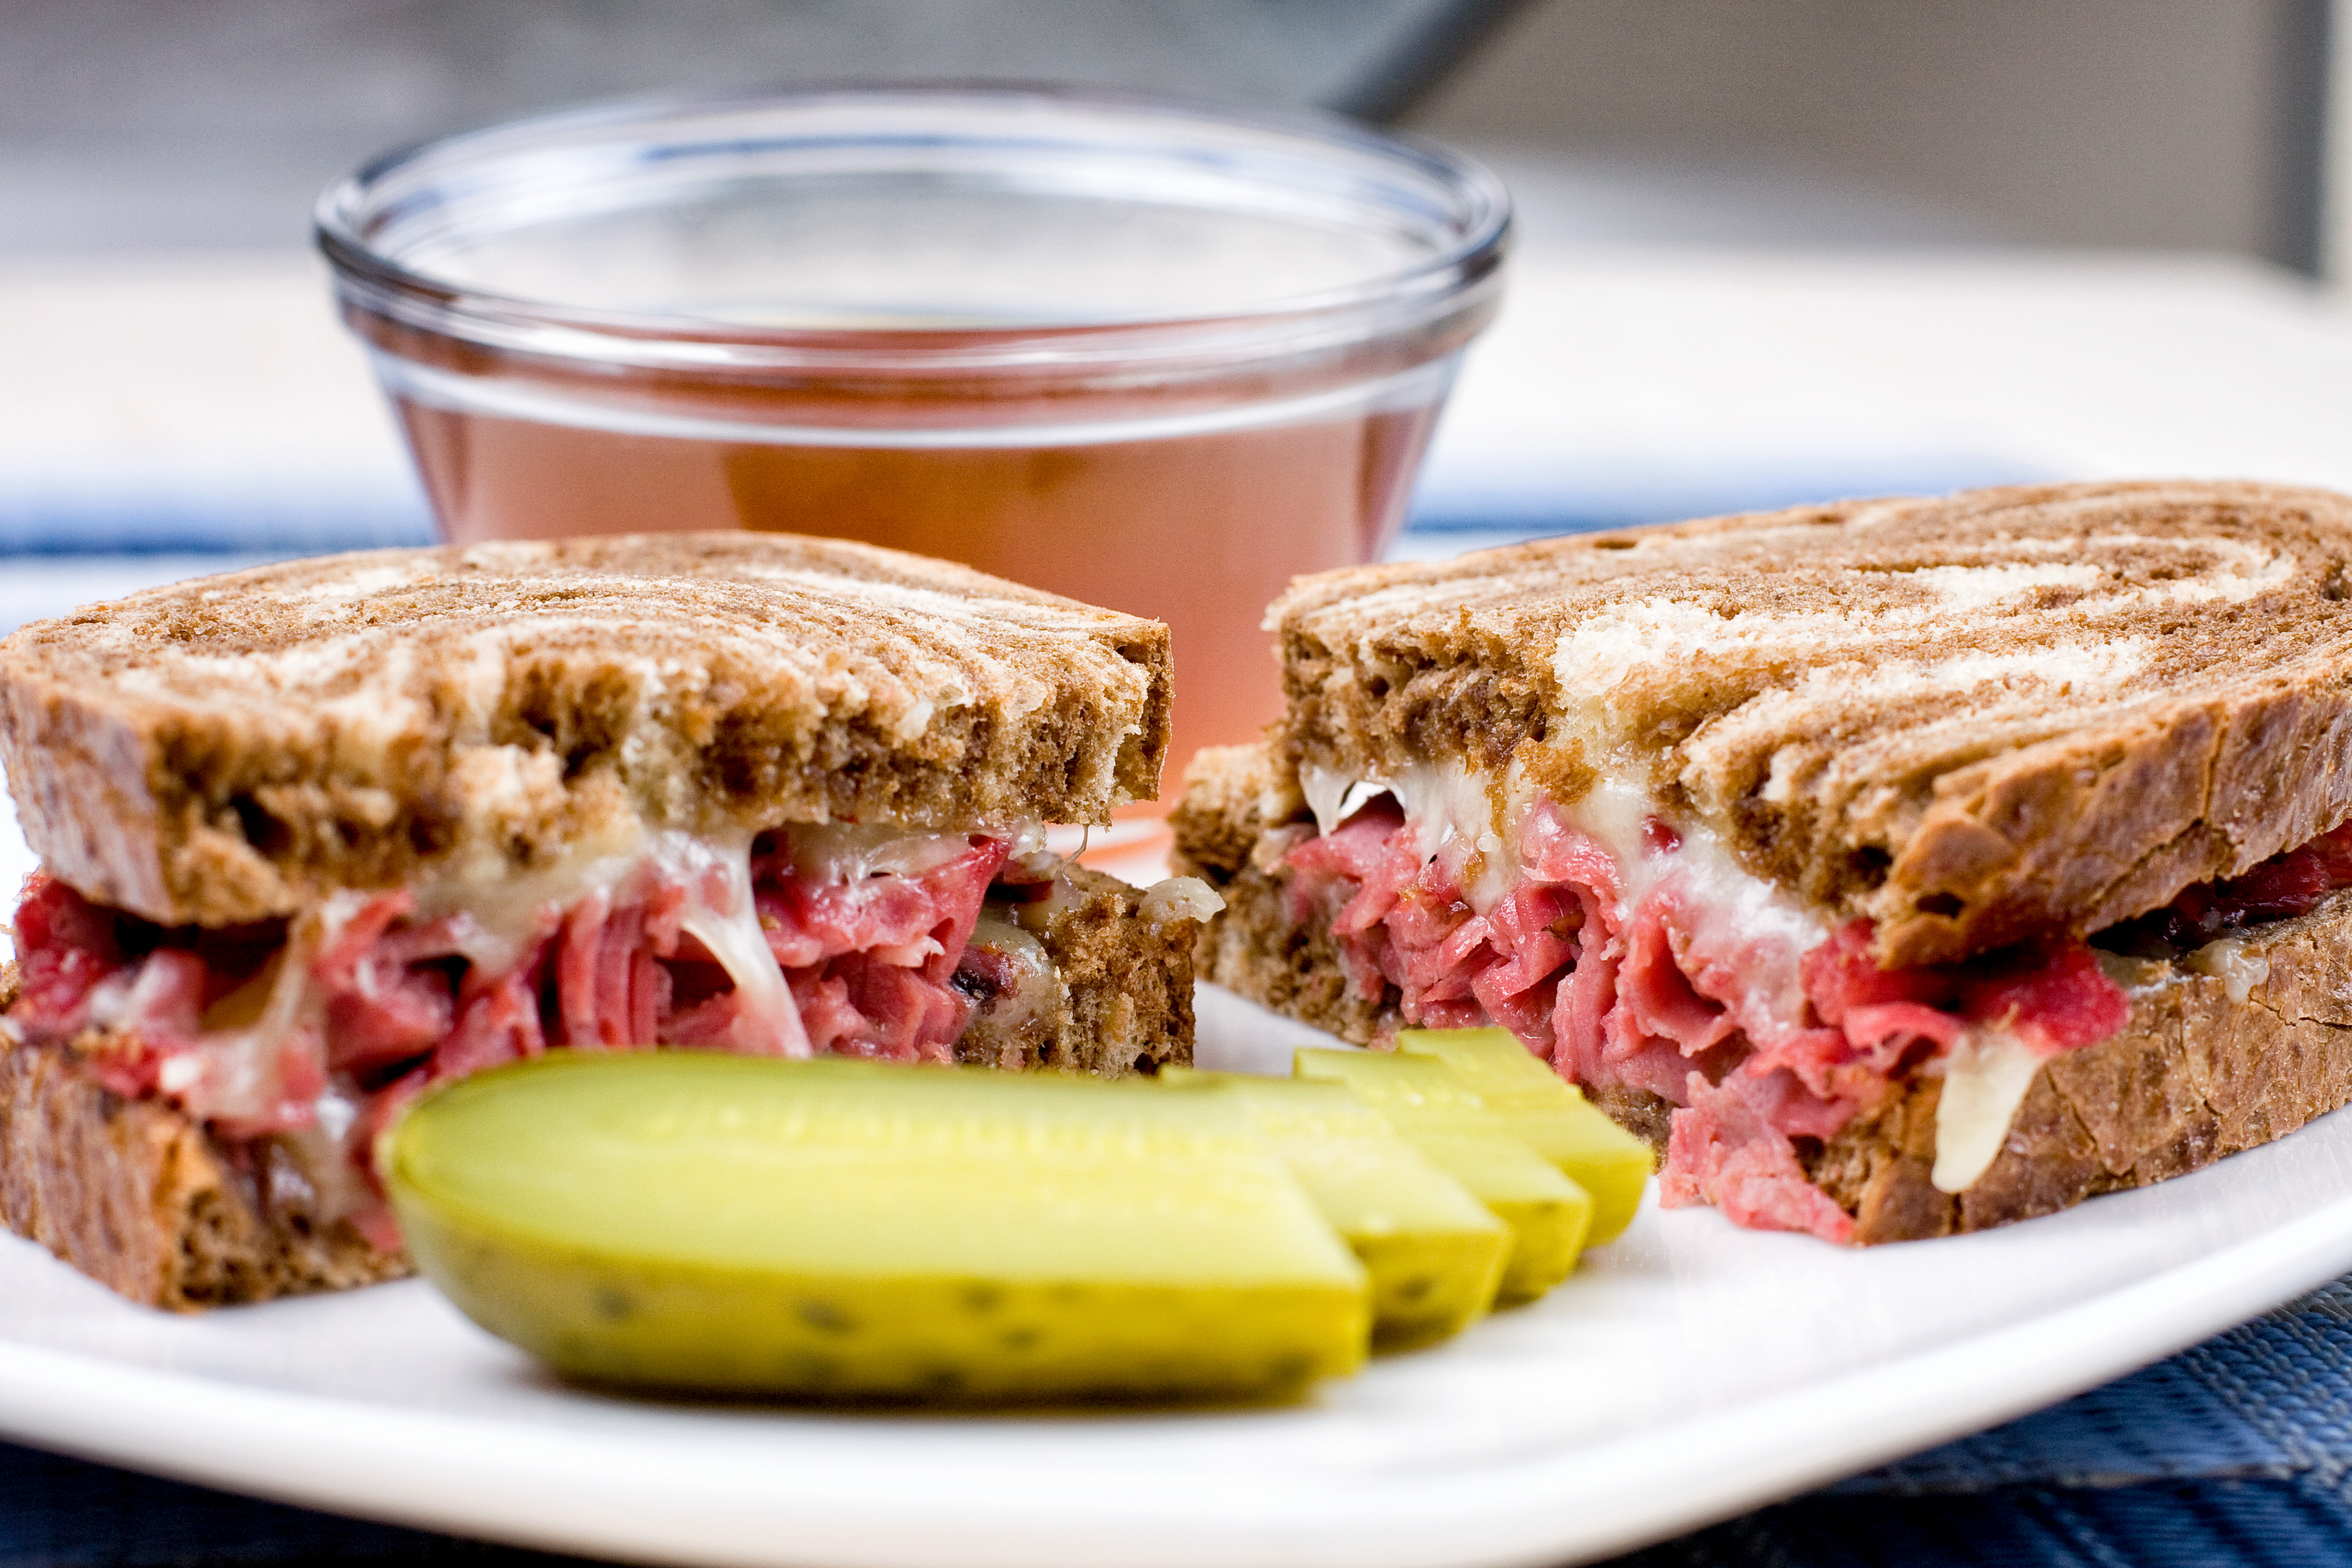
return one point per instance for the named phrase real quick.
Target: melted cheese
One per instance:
(239, 1065)
(500, 918)
(1179, 898)
(1038, 989)
(835, 852)
(503, 913)
(1985, 1080)
(1333, 796)
(721, 915)
(2228, 960)
(1718, 886)
(1452, 810)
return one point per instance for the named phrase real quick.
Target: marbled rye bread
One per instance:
(236, 748)
(1971, 718)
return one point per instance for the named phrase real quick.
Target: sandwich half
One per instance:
(316, 837)
(1897, 867)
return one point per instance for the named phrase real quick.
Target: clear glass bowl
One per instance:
(1151, 355)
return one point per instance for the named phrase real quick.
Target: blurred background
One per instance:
(1737, 225)
(2177, 125)
(1768, 251)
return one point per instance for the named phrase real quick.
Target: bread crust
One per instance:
(1974, 718)
(2192, 1077)
(141, 1198)
(1126, 1001)
(238, 748)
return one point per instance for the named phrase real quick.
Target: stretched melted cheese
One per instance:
(721, 915)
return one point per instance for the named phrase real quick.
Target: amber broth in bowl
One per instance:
(1152, 357)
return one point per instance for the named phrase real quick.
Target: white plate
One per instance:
(1686, 1373)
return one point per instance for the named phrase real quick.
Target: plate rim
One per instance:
(1566, 1501)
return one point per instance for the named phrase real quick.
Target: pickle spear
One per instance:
(1436, 1109)
(839, 1230)
(1433, 1252)
(1550, 1115)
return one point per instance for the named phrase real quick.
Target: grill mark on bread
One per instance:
(1971, 718)
(232, 749)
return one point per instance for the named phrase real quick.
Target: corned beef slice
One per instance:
(64, 948)
(869, 961)
(398, 1004)
(1757, 1039)
(2279, 888)
(1724, 1150)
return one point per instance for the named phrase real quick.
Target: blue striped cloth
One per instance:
(2235, 1452)
(1459, 500)
(1536, 494)
(140, 517)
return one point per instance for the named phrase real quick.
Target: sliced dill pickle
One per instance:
(844, 1230)
(1433, 1252)
(1550, 1115)
(1437, 1109)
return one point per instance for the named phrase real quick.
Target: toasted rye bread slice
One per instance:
(236, 748)
(1125, 1001)
(2192, 1077)
(141, 1198)
(1994, 715)
(1231, 825)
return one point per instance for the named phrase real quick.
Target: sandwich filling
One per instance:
(297, 1041)
(1636, 956)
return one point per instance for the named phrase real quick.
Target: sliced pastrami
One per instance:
(369, 1004)
(65, 946)
(872, 962)
(2054, 996)
(1660, 978)
(1399, 920)
(2286, 885)
(1724, 1150)
(384, 1006)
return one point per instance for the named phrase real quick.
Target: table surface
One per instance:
(180, 409)
(215, 403)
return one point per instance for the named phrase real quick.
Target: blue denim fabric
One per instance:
(2236, 1451)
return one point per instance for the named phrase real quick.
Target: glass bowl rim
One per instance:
(1476, 252)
